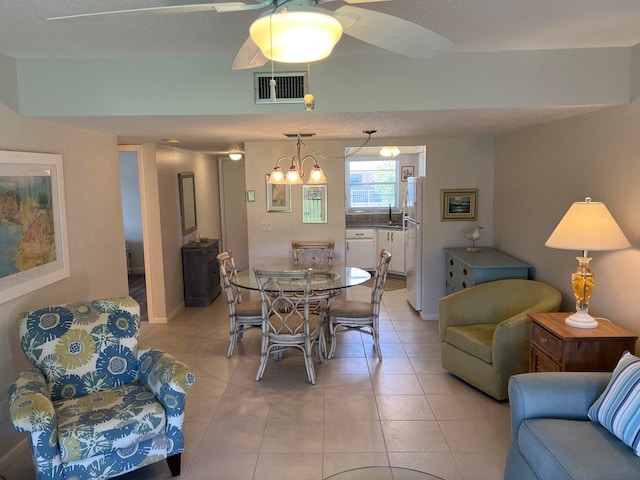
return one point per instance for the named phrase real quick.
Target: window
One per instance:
(372, 183)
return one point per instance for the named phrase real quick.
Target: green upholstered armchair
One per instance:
(94, 403)
(485, 331)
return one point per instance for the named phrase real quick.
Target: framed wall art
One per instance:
(314, 204)
(406, 171)
(459, 204)
(33, 223)
(187, 187)
(278, 196)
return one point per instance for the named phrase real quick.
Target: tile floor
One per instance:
(405, 411)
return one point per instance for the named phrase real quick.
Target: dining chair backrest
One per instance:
(242, 315)
(313, 253)
(228, 271)
(379, 279)
(285, 300)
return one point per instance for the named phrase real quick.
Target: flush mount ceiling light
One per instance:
(171, 141)
(390, 152)
(235, 156)
(293, 34)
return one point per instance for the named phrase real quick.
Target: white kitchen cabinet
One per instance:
(361, 248)
(392, 240)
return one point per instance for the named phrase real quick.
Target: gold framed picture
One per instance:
(459, 204)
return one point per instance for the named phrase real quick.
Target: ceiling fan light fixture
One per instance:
(300, 34)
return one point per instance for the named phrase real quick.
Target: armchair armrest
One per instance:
(553, 395)
(30, 406)
(510, 345)
(168, 378)
(32, 412)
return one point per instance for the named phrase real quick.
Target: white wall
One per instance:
(455, 162)
(66, 87)
(94, 226)
(541, 171)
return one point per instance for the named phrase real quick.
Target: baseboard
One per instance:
(428, 316)
(13, 454)
(170, 317)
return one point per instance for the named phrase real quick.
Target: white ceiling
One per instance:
(474, 25)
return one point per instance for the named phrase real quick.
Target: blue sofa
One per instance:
(552, 437)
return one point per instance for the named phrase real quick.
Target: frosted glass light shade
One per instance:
(389, 152)
(300, 34)
(293, 176)
(316, 177)
(588, 226)
(276, 177)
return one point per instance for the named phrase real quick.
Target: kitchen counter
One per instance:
(393, 226)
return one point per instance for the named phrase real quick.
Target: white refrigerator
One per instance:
(413, 225)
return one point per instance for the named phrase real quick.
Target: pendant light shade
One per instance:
(316, 177)
(296, 34)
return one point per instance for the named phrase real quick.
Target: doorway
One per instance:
(233, 203)
(133, 227)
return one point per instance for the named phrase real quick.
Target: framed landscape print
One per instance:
(459, 204)
(278, 196)
(34, 249)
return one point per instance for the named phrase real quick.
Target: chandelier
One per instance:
(295, 173)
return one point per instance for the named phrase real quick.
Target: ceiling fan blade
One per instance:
(201, 7)
(249, 56)
(391, 33)
(357, 1)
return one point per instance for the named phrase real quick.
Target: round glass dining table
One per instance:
(322, 278)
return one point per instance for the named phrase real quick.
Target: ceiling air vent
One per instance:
(290, 87)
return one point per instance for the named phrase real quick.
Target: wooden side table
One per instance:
(557, 347)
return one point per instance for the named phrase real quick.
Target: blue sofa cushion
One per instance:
(561, 449)
(618, 408)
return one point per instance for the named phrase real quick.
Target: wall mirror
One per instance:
(187, 186)
(314, 204)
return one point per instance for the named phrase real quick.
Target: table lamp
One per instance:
(586, 226)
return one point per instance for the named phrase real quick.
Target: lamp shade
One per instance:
(588, 226)
(296, 34)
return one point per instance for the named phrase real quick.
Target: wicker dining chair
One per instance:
(243, 315)
(346, 315)
(313, 253)
(293, 327)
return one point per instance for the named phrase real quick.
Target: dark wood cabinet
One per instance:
(201, 273)
(557, 347)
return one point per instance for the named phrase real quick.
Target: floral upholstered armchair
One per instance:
(95, 405)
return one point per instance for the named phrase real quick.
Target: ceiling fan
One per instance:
(273, 34)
